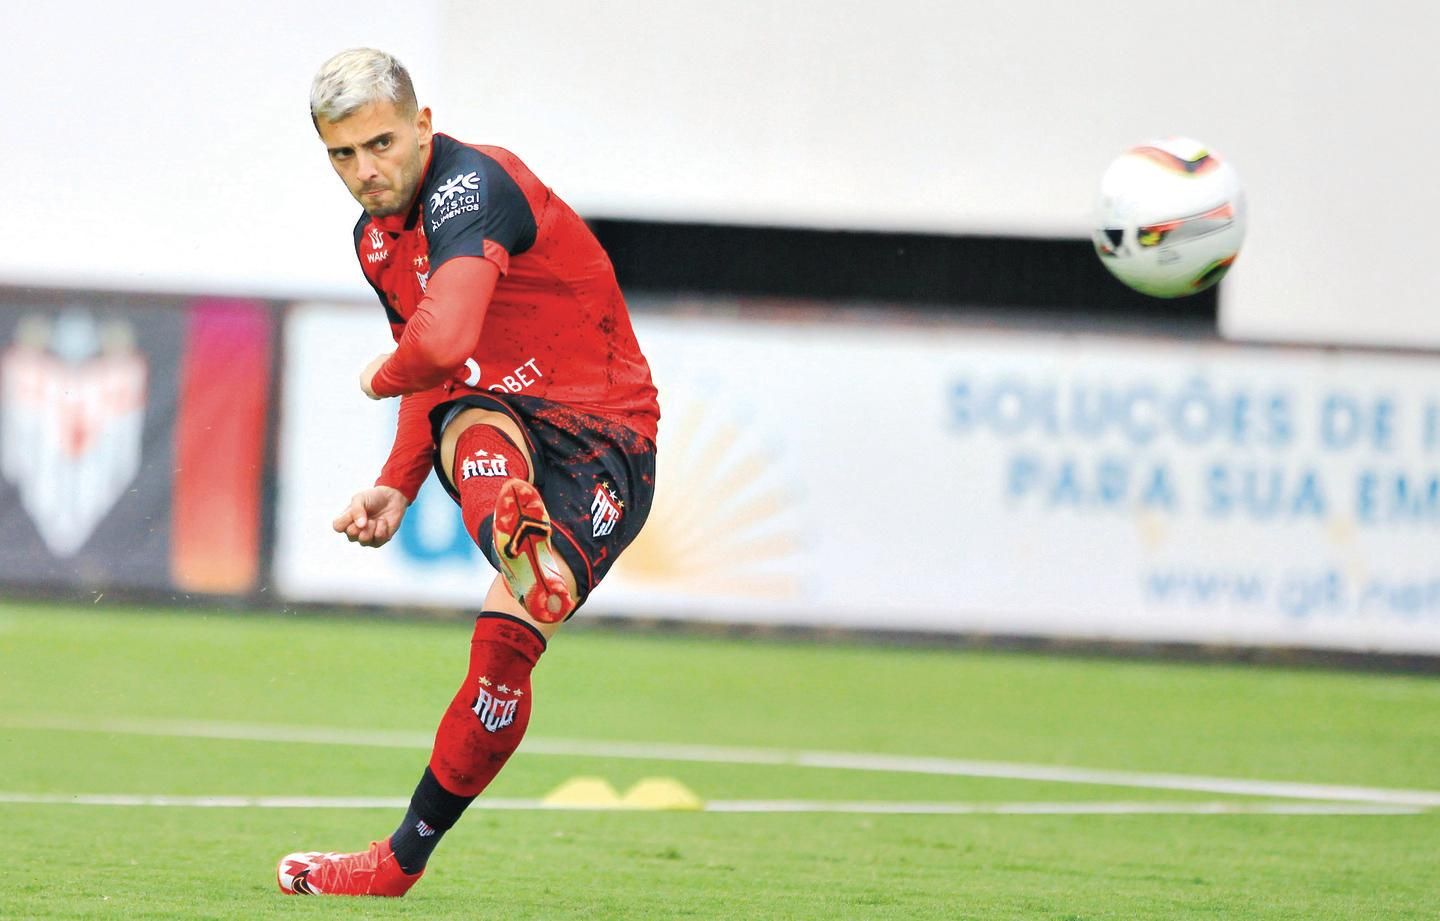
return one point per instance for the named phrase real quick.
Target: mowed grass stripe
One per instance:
(726, 806)
(856, 761)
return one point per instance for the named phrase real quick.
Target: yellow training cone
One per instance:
(661, 793)
(584, 793)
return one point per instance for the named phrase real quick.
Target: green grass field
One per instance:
(101, 701)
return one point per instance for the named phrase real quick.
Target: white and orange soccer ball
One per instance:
(1171, 217)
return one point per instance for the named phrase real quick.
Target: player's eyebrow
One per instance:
(382, 136)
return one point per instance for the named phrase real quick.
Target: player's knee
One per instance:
(483, 425)
(489, 453)
(485, 458)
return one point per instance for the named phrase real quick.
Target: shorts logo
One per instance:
(483, 463)
(496, 712)
(606, 510)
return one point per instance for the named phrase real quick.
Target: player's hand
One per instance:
(369, 373)
(373, 516)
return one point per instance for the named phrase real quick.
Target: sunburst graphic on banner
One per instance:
(725, 521)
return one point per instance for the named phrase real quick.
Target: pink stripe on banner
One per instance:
(220, 446)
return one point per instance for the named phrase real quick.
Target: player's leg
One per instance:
(479, 731)
(489, 461)
(603, 495)
(487, 456)
(488, 716)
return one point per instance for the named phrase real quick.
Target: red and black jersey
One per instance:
(556, 326)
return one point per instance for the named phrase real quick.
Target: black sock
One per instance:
(433, 810)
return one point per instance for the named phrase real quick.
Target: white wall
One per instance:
(166, 144)
(996, 115)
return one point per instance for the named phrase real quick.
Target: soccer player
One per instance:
(519, 380)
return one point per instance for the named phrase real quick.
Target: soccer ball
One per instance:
(1171, 217)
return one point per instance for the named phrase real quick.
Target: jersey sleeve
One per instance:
(411, 455)
(474, 208)
(442, 332)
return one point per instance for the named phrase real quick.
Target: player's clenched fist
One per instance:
(373, 516)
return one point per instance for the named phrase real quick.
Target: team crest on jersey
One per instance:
(377, 239)
(606, 510)
(72, 415)
(496, 711)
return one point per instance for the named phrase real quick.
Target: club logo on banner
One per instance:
(72, 406)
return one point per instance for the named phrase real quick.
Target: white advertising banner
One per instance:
(952, 479)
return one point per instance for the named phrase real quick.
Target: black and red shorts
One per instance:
(597, 478)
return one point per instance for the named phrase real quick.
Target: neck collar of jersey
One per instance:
(405, 220)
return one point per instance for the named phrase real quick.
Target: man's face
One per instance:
(380, 153)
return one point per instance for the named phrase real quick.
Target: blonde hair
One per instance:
(357, 77)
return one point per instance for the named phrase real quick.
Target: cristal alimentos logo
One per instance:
(458, 194)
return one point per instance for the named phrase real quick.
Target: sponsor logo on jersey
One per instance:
(424, 279)
(455, 185)
(72, 414)
(482, 463)
(460, 194)
(606, 510)
(522, 378)
(496, 712)
(378, 251)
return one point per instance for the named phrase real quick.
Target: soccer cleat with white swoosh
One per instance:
(371, 872)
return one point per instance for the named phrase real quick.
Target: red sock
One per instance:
(486, 720)
(485, 458)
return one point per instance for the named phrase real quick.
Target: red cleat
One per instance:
(527, 561)
(372, 872)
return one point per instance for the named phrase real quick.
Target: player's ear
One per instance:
(423, 129)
